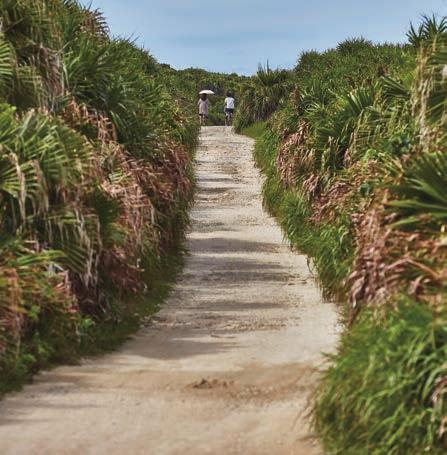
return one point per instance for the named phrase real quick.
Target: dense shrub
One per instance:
(261, 95)
(95, 179)
(385, 393)
(356, 173)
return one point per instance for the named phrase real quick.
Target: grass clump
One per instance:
(385, 392)
(256, 130)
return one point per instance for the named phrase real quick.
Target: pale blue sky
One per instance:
(235, 35)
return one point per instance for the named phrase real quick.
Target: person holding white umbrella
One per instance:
(203, 105)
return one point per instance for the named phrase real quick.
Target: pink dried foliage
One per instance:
(293, 156)
(389, 261)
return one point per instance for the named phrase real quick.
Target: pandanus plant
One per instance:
(95, 172)
(262, 95)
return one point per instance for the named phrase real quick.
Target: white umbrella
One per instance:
(206, 92)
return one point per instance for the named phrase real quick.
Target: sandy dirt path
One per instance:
(228, 364)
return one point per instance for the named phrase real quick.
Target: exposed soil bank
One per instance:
(228, 364)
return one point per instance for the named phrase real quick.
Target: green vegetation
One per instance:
(256, 130)
(96, 145)
(327, 243)
(95, 183)
(354, 158)
(261, 95)
(186, 85)
(383, 394)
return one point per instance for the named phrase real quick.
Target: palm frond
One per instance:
(422, 192)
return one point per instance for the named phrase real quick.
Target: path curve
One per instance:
(228, 364)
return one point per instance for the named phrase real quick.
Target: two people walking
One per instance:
(204, 106)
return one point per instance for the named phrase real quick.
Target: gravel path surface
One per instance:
(226, 367)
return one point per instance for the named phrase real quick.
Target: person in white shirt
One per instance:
(229, 108)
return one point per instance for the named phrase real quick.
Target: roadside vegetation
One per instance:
(354, 156)
(255, 130)
(95, 184)
(261, 95)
